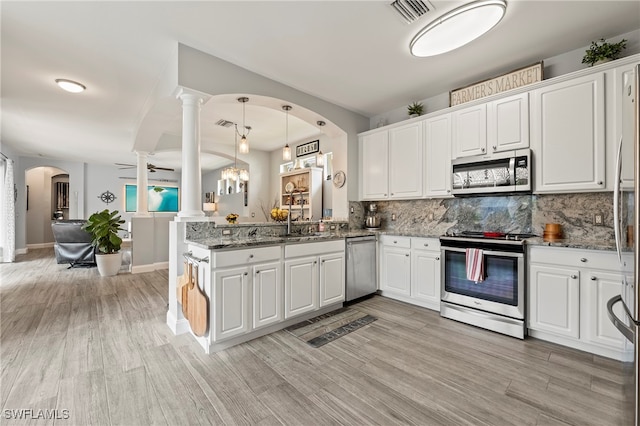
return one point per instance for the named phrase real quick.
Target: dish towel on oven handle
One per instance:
(475, 265)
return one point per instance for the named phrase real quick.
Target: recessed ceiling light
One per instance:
(458, 27)
(70, 85)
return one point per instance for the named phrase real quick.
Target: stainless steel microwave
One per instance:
(508, 171)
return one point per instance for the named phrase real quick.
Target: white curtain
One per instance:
(8, 215)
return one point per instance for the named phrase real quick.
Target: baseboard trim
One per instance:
(177, 327)
(139, 269)
(38, 246)
(22, 251)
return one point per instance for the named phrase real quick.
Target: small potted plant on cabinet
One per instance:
(103, 227)
(601, 51)
(415, 109)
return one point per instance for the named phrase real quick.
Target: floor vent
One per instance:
(224, 123)
(411, 10)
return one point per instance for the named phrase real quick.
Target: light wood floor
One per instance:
(99, 348)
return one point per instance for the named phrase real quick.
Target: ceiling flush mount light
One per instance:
(286, 151)
(70, 85)
(458, 27)
(244, 143)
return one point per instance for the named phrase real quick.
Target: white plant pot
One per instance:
(109, 264)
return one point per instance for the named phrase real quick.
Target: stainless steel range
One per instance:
(497, 300)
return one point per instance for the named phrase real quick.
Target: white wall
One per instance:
(555, 66)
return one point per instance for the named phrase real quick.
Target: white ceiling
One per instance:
(351, 53)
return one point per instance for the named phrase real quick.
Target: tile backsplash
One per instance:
(514, 213)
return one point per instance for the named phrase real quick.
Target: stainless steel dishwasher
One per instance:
(361, 267)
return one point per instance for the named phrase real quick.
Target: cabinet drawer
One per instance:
(394, 241)
(425, 244)
(592, 259)
(242, 257)
(312, 249)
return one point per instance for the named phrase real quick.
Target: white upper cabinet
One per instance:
(625, 110)
(437, 156)
(495, 126)
(391, 163)
(568, 135)
(405, 161)
(374, 165)
(508, 123)
(470, 131)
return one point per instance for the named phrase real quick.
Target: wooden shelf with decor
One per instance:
(306, 185)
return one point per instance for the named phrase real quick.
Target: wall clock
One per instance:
(339, 179)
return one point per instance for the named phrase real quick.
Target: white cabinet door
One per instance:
(396, 270)
(332, 277)
(300, 286)
(425, 277)
(267, 294)
(405, 161)
(374, 165)
(599, 288)
(470, 131)
(625, 105)
(568, 135)
(437, 158)
(508, 123)
(554, 300)
(231, 299)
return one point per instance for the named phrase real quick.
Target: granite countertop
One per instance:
(234, 243)
(574, 243)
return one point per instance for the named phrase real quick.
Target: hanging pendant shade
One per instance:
(244, 143)
(286, 151)
(234, 173)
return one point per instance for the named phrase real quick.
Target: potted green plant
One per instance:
(601, 51)
(103, 227)
(415, 109)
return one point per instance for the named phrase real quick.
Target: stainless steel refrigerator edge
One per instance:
(361, 267)
(626, 214)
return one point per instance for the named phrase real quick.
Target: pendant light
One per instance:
(320, 155)
(244, 143)
(286, 151)
(234, 173)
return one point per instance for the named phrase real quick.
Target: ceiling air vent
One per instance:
(411, 10)
(224, 123)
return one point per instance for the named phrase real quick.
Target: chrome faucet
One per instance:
(289, 215)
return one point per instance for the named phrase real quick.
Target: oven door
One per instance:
(502, 291)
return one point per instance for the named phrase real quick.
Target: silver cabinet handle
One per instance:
(599, 182)
(426, 244)
(384, 195)
(574, 276)
(494, 147)
(593, 278)
(437, 258)
(482, 149)
(448, 191)
(395, 242)
(315, 262)
(392, 194)
(245, 274)
(407, 255)
(257, 272)
(583, 260)
(250, 256)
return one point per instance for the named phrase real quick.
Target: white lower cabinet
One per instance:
(267, 294)
(314, 276)
(568, 293)
(410, 270)
(231, 300)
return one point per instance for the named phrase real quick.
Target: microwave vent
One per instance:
(411, 10)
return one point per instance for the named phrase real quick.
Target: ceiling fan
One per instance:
(152, 168)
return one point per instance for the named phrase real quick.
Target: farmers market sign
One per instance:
(512, 80)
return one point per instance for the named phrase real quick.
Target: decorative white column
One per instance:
(142, 195)
(191, 172)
